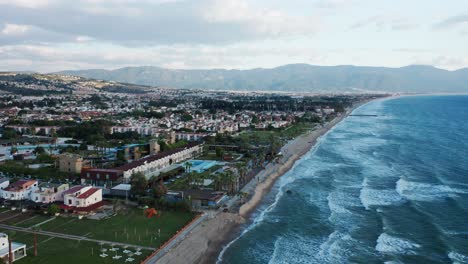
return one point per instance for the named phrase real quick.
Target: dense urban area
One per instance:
(104, 172)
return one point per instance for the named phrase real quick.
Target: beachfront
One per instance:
(204, 243)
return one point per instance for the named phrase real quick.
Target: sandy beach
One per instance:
(206, 241)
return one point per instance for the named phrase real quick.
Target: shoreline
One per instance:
(205, 243)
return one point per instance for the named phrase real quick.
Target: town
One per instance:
(102, 172)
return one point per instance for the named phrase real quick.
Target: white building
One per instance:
(19, 190)
(4, 182)
(152, 165)
(49, 193)
(82, 198)
(18, 249)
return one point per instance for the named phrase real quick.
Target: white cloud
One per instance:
(27, 3)
(14, 29)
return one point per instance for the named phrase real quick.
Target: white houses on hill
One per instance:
(19, 190)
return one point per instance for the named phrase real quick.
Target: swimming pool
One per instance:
(201, 165)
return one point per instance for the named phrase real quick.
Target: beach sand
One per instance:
(206, 241)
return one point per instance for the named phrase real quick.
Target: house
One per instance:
(19, 190)
(18, 250)
(204, 198)
(101, 177)
(82, 199)
(70, 163)
(4, 182)
(122, 190)
(49, 192)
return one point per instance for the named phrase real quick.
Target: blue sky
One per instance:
(52, 35)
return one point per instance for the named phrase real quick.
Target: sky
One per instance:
(54, 35)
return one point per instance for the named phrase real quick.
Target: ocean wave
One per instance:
(333, 249)
(457, 258)
(376, 197)
(419, 191)
(394, 245)
(297, 250)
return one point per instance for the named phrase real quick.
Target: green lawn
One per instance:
(132, 227)
(129, 227)
(36, 219)
(59, 251)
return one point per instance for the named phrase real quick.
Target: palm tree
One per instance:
(242, 171)
(188, 166)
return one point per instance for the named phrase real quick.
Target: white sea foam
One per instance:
(418, 191)
(395, 245)
(458, 258)
(333, 250)
(293, 250)
(374, 197)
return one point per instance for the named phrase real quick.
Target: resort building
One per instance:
(19, 190)
(18, 250)
(49, 192)
(191, 136)
(82, 199)
(152, 165)
(70, 163)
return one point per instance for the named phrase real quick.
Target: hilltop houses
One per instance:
(19, 190)
(18, 250)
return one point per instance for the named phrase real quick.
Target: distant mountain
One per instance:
(294, 77)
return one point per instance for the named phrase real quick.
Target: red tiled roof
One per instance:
(88, 193)
(73, 189)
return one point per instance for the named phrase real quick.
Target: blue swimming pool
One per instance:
(201, 165)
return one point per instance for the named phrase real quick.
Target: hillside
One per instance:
(294, 77)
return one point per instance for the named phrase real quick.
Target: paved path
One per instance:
(175, 241)
(72, 237)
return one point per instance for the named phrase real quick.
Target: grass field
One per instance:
(58, 251)
(130, 227)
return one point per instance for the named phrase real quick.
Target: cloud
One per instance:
(156, 22)
(452, 21)
(381, 23)
(333, 4)
(444, 61)
(246, 55)
(15, 30)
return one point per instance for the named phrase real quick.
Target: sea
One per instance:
(391, 187)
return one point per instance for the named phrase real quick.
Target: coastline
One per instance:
(207, 240)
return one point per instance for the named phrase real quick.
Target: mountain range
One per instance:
(294, 78)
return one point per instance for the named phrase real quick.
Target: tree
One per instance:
(45, 158)
(83, 146)
(9, 133)
(186, 117)
(39, 150)
(159, 190)
(219, 152)
(53, 209)
(139, 183)
(188, 166)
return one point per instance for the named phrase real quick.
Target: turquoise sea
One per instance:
(386, 189)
